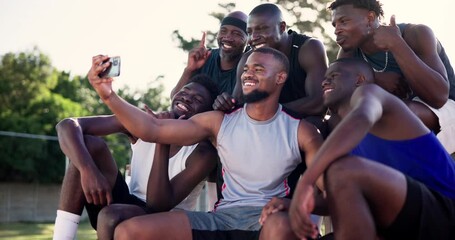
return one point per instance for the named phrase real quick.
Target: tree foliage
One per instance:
(34, 97)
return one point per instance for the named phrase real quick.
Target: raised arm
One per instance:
(312, 58)
(196, 59)
(146, 126)
(417, 55)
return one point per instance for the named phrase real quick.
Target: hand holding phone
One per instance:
(113, 70)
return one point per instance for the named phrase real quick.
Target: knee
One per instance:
(125, 230)
(277, 226)
(344, 172)
(108, 218)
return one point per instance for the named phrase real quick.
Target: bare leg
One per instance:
(110, 216)
(166, 225)
(72, 197)
(277, 227)
(361, 195)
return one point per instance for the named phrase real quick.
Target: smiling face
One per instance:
(193, 98)
(264, 30)
(262, 73)
(338, 85)
(232, 41)
(351, 26)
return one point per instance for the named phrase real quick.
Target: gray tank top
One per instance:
(257, 157)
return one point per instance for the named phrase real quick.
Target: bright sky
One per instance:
(139, 31)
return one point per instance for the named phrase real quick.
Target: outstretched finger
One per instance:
(202, 43)
(392, 21)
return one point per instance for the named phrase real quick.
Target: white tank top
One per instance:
(257, 157)
(141, 164)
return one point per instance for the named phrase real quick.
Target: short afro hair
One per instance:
(370, 5)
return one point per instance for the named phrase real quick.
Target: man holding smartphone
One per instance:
(93, 180)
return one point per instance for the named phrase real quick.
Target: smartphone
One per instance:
(113, 70)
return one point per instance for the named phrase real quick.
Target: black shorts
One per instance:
(120, 194)
(426, 214)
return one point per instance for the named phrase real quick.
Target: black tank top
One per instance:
(294, 87)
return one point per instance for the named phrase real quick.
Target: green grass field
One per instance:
(41, 231)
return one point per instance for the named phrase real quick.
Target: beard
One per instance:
(255, 96)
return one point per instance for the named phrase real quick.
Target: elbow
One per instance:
(438, 101)
(64, 124)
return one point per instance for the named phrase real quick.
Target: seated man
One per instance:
(94, 181)
(408, 61)
(386, 175)
(258, 145)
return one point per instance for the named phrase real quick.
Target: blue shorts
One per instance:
(226, 223)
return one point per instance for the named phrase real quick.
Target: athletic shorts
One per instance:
(120, 194)
(227, 223)
(446, 116)
(426, 214)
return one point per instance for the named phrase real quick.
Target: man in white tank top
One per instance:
(258, 145)
(94, 181)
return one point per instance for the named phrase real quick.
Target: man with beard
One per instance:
(221, 63)
(258, 144)
(94, 181)
(409, 62)
(307, 58)
(386, 175)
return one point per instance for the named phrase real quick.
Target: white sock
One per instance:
(65, 227)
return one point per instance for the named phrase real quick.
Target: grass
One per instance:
(41, 231)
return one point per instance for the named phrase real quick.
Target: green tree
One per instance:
(28, 106)
(34, 97)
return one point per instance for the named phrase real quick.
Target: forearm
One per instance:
(427, 83)
(307, 106)
(136, 121)
(345, 137)
(159, 189)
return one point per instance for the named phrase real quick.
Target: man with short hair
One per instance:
(221, 63)
(386, 175)
(93, 180)
(409, 62)
(307, 58)
(261, 136)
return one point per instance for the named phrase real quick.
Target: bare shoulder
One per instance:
(312, 46)
(418, 35)
(312, 55)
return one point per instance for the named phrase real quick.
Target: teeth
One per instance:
(259, 45)
(181, 106)
(328, 90)
(227, 46)
(248, 84)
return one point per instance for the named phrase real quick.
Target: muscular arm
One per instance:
(196, 59)
(417, 55)
(164, 194)
(313, 59)
(71, 133)
(422, 67)
(367, 109)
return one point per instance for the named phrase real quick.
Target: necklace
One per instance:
(374, 69)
